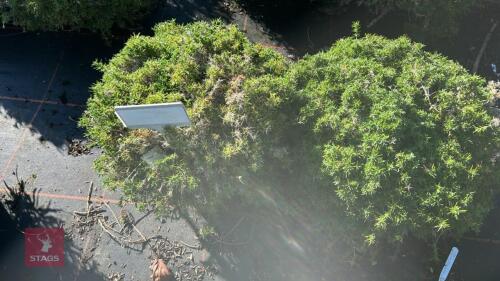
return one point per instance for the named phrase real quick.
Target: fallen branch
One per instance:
(484, 240)
(189, 245)
(107, 231)
(311, 43)
(234, 227)
(109, 227)
(222, 241)
(483, 47)
(114, 215)
(89, 195)
(92, 211)
(143, 240)
(378, 18)
(232, 243)
(140, 233)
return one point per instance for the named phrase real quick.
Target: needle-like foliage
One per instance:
(98, 16)
(406, 137)
(231, 89)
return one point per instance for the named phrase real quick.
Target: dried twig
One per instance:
(378, 18)
(107, 231)
(114, 215)
(109, 227)
(311, 43)
(484, 240)
(139, 232)
(232, 243)
(189, 245)
(77, 147)
(143, 240)
(89, 196)
(91, 211)
(222, 241)
(483, 47)
(234, 227)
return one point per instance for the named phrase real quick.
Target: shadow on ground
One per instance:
(20, 209)
(184, 11)
(479, 252)
(308, 28)
(54, 68)
(293, 233)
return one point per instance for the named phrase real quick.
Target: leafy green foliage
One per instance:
(406, 140)
(402, 136)
(98, 16)
(231, 89)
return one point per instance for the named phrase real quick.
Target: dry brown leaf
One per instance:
(160, 270)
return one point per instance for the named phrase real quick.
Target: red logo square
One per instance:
(43, 246)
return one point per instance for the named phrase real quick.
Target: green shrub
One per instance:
(231, 89)
(402, 136)
(98, 16)
(406, 140)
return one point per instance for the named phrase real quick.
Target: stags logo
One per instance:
(44, 247)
